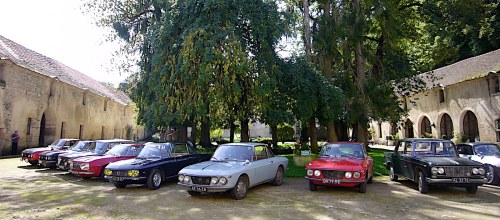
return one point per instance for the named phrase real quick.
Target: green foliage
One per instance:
(285, 132)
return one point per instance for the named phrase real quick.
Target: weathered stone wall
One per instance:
(26, 94)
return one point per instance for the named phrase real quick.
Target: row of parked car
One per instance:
(236, 167)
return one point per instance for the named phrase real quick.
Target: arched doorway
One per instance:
(409, 129)
(446, 127)
(41, 137)
(471, 129)
(425, 127)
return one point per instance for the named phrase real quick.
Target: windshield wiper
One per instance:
(217, 160)
(230, 159)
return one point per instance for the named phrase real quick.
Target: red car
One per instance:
(342, 164)
(31, 155)
(93, 166)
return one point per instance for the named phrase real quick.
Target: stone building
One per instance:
(44, 99)
(461, 103)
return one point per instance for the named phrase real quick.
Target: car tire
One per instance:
(392, 174)
(370, 180)
(491, 178)
(154, 179)
(194, 193)
(362, 187)
(423, 187)
(278, 178)
(240, 189)
(312, 186)
(101, 175)
(33, 163)
(471, 189)
(120, 185)
(86, 177)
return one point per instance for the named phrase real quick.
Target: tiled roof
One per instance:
(468, 69)
(47, 66)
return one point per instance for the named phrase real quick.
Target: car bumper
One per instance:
(451, 182)
(126, 179)
(206, 188)
(335, 182)
(47, 163)
(83, 173)
(28, 159)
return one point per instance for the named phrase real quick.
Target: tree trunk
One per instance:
(245, 131)
(182, 134)
(363, 134)
(354, 134)
(330, 131)
(274, 135)
(232, 128)
(205, 134)
(313, 132)
(307, 30)
(342, 130)
(194, 133)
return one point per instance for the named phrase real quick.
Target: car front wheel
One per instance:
(278, 178)
(240, 190)
(362, 187)
(491, 178)
(392, 174)
(120, 185)
(312, 186)
(194, 193)
(154, 179)
(423, 187)
(471, 189)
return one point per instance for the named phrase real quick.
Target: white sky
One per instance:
(58, 29)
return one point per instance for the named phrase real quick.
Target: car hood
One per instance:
(493, 160)
(213, 167)
(449, 161)
(52, 153)
(132, 164)
(82, 154)
(36, 150)
(336, 163)
(94, 158)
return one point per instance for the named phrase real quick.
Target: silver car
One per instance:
(234, 167)
(486, 153)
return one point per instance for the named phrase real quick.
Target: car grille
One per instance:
(333, 174)
(63, 162)
(201, 180)
(119, 173)
(458, 171)
(46, 158)
(76, 165)
(26, 155)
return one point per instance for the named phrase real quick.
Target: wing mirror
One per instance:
(247, 161)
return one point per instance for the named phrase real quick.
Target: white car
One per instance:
(486, 153)
(234, 167)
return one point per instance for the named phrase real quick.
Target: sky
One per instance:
(59, 29)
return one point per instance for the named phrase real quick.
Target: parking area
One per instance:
(28, 192)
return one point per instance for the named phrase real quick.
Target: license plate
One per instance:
(198, 189)
(117, 178)
(331, 181)
(460, 180)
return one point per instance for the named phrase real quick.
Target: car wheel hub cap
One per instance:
(156, 179)
(241, 188)
(279, 176)
(489, 175)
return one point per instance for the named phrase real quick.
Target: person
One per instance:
(15, 140)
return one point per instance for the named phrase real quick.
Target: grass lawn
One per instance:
(376, 154)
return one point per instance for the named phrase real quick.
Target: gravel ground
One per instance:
(28, 192)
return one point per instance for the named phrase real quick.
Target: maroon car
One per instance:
(31, 155)
(93, 166)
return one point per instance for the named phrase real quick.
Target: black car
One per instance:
(97, 148)
(433, 162)
(49, 158)
(157, 162)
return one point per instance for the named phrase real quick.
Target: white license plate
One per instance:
(117, 178)
(198, 189)
(331, 181)
(460, 180)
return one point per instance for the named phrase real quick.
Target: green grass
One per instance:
(376, 154)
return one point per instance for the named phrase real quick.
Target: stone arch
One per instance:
(469, 126)
(409, 133)
(445, 125)
(425, 128)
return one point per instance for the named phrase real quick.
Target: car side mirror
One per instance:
(247, 161)
(470, 157)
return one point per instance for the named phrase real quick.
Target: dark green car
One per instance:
(433, 162)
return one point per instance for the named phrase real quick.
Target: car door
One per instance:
(181, 156)
(264, 165)
(403, 158)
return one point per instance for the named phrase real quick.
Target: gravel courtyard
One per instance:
(28, 192)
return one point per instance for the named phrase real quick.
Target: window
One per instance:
(406, 147)
(464, 149)
(441, 95)
(496, 85)
(379, 130)
(63, 132)
(260, 152)
(80, 134)
(497, 124)
(180, 149)
(102, 133)
(124, 111)
(105, 105)
(84, 97)
(28, 130)
(2, 67)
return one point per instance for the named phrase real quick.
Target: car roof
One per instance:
(479, 143)
(114, 140)
(252, 144)
(344, 142)
(424, 139)
(69, 139)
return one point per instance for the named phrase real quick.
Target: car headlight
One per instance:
(475, 171)
(440, 170)
(133, 173)
(84, 166)
(58, 160)
(181, 178)
(310, 172)
(434, 170)
(348, 175)
(481, 171)
(214, 180)
(357, 175)
(107, 172)
(186, 179)
(223, 180)
(317, 173)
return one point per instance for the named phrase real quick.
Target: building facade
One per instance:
(462, 103)
(44, 100)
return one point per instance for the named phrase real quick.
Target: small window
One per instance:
(498, 136)
(84, 98)
(441, 95)
(2, 67)
(497, 124)
(80, 134)
(63, 132)
(379, 130)
(180, 149)
(124, 111)
(102, 133)
(496, 85)
(408, 147)
(28, 130)
(105, 105)
(260, 152)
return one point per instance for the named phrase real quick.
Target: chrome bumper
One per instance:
(471, 181)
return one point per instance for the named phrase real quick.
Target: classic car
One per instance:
(49, 158)
(157, 162)
(31, 155)
(343, 164)
(433, 162)
(99, 147)
(234, 167)
(485, 153)
(93, 166)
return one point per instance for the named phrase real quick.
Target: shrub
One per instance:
(285, 133)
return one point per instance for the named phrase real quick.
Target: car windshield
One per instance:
(81, 146)
(342, 150)
(155, 151)
(233, 152)
(119, 150)
(433, 148)
(99, 147)
(487, 150)
(57, 144)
